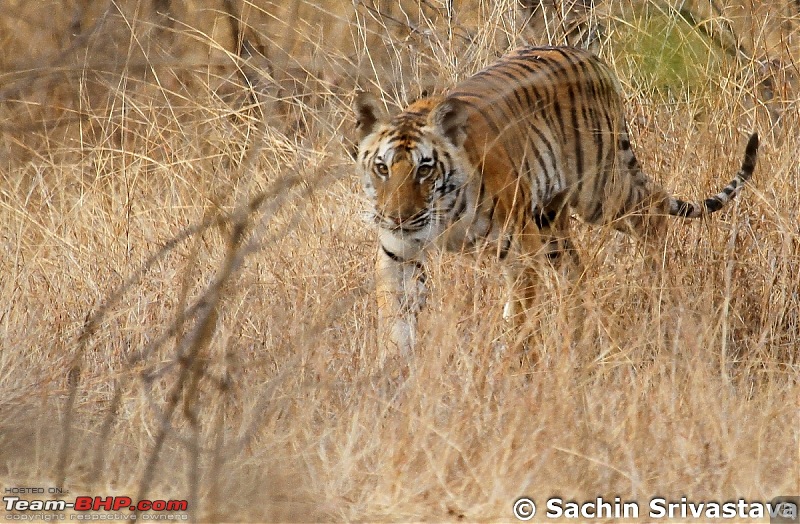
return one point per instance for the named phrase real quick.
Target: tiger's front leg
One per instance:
(401, 294)
(523, 284)
(522, 275)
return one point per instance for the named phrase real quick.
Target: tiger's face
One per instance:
(409, 163)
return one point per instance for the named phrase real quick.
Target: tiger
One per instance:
(498, 165)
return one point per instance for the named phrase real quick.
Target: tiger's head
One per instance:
(410, 162)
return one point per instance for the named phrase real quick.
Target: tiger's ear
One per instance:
(369, 113)
(449, 118)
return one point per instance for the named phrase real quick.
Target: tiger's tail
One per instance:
(685, 209)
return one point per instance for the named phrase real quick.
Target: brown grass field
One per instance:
(186, 275)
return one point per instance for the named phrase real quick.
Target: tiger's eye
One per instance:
(381, 168)
(424, 171)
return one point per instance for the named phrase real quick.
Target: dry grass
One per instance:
(187, 291)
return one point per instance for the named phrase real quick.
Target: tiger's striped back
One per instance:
(550, 115)
(554, 116)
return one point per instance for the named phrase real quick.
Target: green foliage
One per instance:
(662, 52)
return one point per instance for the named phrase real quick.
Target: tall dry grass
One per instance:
(187, 289)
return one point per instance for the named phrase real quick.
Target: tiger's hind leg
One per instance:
(629, 201)
(645, 205)
(646, 211)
